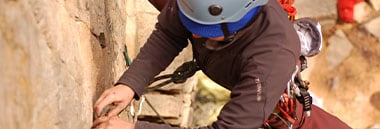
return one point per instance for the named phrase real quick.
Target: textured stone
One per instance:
(375, 4)
(176, 109)
(375, 126)
(45, 89)
(146, 19)
(315, 8)
(361, 11)
(131, 25)
(338, 50)
(374, 99)
(50, 68)
(166, 105)
(327, 24)
(373, 27)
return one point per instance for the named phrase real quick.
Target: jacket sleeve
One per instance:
(163, 45)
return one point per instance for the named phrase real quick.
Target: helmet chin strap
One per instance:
(228, 37)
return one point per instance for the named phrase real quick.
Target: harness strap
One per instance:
(228, 37)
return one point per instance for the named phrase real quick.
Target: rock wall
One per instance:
(56, 57)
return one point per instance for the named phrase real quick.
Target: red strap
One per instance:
(286, 1)
(286, 108)
(284, 114)
(288, 7)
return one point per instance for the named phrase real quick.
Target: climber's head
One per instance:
(217, 18)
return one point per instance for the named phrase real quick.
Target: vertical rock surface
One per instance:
(55, 60)
(57, 57)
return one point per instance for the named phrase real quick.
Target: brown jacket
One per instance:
(255, 66)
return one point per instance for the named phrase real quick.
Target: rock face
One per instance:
(373, 27)
(54, 60)
(57, 57)
(375, 4)
(315, 9)
(339, 49)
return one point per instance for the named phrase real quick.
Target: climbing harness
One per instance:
(285, 110)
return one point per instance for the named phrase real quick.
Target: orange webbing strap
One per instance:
(284, 116)
(287, 108)
(288, 7)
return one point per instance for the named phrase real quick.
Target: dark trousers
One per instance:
(319, 119)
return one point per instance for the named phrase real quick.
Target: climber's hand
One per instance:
(112, 122)
(120, 96)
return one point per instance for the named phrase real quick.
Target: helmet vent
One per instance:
(246, 6)
(215, 9)
(249, 4)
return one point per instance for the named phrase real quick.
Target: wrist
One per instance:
(126, 89)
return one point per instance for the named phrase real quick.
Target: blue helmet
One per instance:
(204, 17)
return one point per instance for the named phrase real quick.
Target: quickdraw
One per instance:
(136, 113)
